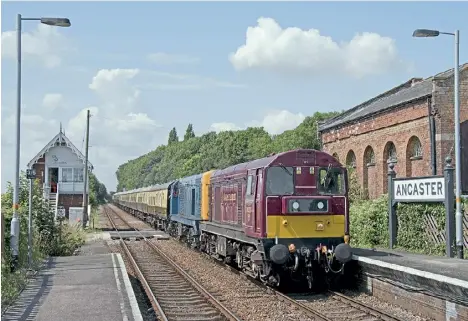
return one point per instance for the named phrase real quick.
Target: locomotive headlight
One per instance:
(295, 205)
(320, 205)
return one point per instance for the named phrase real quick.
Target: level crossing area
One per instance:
(133, 272)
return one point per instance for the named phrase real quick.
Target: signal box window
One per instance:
(67, 174)
(331, 181)
(78, 174)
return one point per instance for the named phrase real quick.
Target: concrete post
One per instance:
(449, 208)
(392, 217)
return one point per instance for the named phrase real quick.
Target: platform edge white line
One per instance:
(424, 274)
(128, 286)
(119, 290)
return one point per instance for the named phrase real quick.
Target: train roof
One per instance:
(151, 188)
(319, 157)
(190, 178)
(267, 161)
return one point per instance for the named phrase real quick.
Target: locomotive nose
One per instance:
(343, 253)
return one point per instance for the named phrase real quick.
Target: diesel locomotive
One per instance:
(279, 219)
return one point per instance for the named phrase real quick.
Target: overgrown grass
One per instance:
(94, 223)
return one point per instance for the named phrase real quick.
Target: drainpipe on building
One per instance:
(432, 136)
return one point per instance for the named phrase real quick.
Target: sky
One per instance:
(142, 68)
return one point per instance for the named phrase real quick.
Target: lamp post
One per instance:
(15, 224)
(422, 33)
(31, 175)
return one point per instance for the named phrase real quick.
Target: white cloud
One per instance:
(269, 46)
(279, 121)
(167, 59)
(52, 101)
(224, 126)
(118, 130)
(275, 122)
(116, 88)
(45, 43)
(159, 80)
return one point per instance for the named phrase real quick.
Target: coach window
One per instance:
(249, 185)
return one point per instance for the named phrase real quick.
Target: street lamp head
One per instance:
(57, 22)
(420, 33)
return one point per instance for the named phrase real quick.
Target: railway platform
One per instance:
(427, 285)
(76, 288)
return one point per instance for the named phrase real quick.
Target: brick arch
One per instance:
(351, 159)
(413, 155)
(389, 154)
(368, 171)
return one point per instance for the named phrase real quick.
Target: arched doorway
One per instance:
(389, 156)
(368, 166)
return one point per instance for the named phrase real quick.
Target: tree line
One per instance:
(212, 150)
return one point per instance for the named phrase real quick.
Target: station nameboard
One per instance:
(424, 189)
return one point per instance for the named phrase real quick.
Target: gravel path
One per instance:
(103, 221)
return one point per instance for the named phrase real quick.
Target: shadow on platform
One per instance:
(29, 301)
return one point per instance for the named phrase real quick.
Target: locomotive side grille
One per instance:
(239, 204)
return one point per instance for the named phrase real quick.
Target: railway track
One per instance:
(175, 295)
(340, 307)
(319, 307)
(329, 306)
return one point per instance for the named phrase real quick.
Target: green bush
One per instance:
(369, 222)
(49, 237)
(413, 230)
(369, 225)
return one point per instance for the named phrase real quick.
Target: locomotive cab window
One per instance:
(331, 181)
(280, 180)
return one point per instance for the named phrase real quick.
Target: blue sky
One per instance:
(277, 80)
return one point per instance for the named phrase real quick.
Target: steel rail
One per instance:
(363, 307)
(140, 275)
(215, 302)
(306, 309)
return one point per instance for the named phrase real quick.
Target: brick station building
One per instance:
(411, 124)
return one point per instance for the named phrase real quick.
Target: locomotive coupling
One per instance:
(343, 253)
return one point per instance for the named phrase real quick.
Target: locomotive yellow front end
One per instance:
(307, 218)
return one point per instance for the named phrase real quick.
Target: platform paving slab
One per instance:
(77, 288)
(452, 268)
